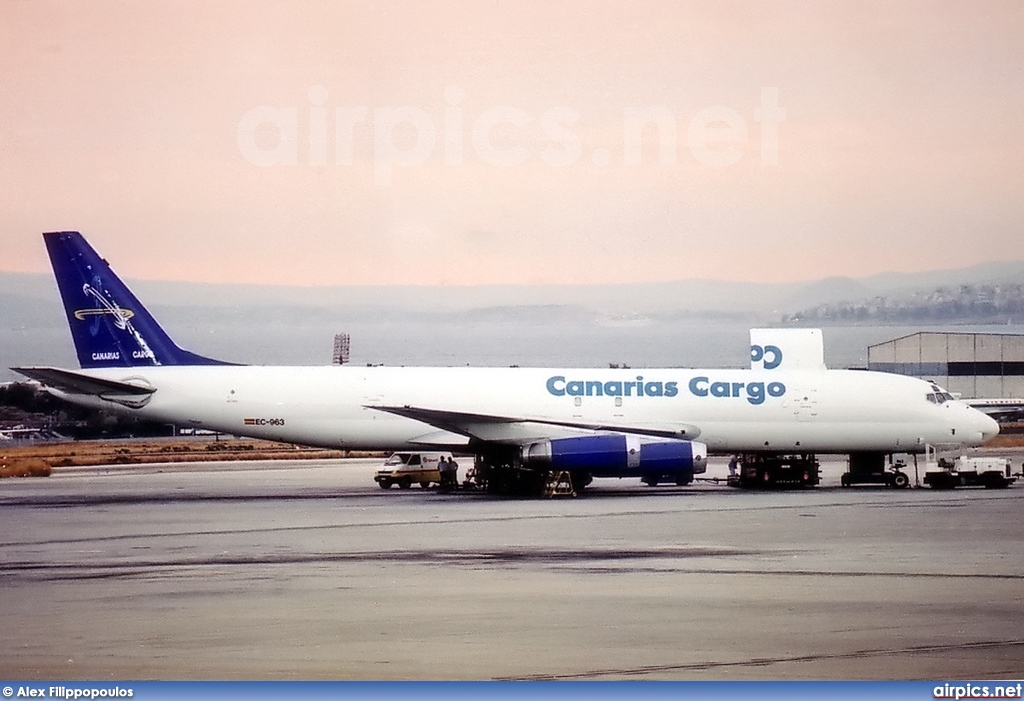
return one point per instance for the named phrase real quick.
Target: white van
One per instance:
(404, 469)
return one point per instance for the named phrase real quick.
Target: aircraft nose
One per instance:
(989, 427)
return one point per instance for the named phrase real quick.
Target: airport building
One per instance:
(972, 365)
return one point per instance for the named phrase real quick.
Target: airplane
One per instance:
(1005, 409)
(526, 426)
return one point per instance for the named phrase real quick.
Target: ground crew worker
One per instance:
(449, 473)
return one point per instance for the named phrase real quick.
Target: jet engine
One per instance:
(620, 455)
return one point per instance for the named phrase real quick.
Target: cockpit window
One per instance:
(939, 395)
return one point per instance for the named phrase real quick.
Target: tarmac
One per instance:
(307, 570)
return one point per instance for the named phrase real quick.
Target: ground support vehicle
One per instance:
(946, 470)
(759, 471)
(406, 469)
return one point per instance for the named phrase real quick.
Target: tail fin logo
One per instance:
(769, 356)
(121, 320)
(121, 316)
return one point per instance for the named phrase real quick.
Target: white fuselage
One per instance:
(812, 411)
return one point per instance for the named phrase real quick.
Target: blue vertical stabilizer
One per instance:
(109, 325)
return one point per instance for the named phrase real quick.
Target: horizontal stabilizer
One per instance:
(77, 383)
(71, 382)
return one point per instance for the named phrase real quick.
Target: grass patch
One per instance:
(25, 467)
(142, 451)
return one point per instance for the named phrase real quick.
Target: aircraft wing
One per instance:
(490, 428)
(72, 382)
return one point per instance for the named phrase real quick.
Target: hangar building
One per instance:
(973, 365)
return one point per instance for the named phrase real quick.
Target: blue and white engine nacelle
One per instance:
(621, 455)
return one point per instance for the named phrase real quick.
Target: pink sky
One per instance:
(144, 126)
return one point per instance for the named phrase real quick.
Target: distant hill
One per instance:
(1001, 303)
(26, 296)
(985, 273)
(831, 289)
